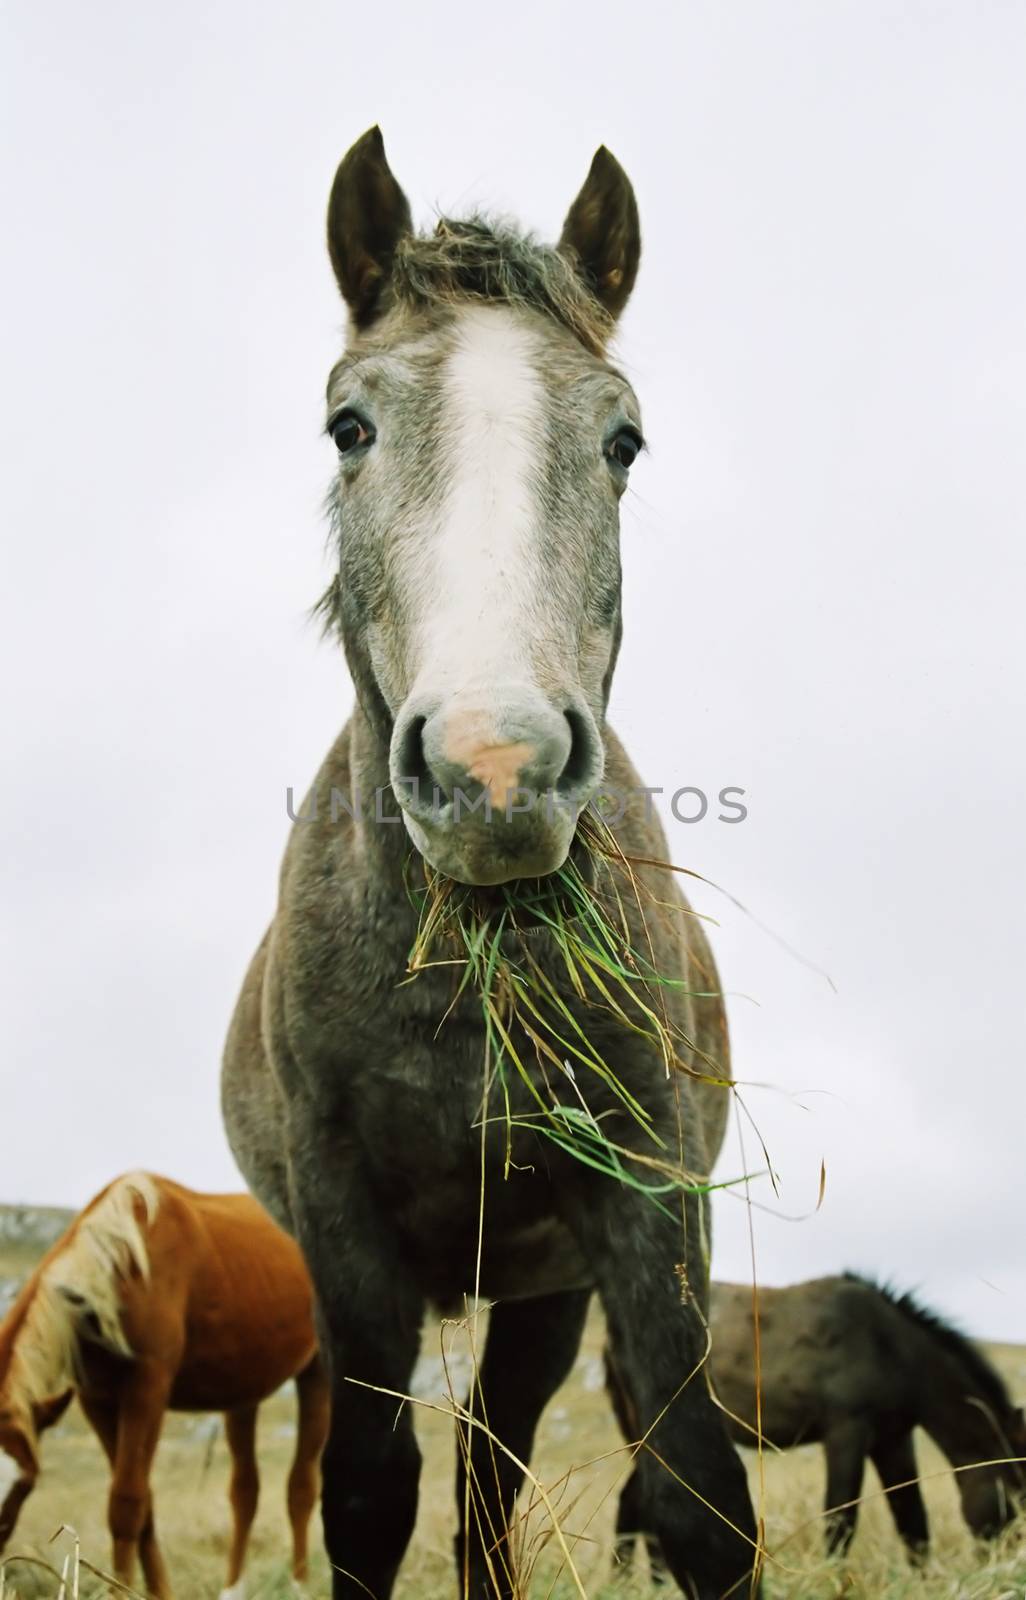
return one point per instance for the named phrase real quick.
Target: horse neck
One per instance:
(9, 1332)
(961, 1421)
(358, 771)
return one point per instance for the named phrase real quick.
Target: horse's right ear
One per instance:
(367, 216)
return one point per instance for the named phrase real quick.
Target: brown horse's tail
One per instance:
(79, 1293)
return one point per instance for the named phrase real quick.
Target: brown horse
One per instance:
(856, 1367)
(160, 1299)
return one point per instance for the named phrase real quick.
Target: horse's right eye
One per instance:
(349, 432)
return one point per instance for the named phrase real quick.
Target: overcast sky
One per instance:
(823, 553)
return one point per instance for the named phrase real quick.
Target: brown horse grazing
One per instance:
(484, 442)
(160, 1299)
(856, 1367)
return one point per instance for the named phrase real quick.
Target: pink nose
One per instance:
(470, 744)
(471, 749)
(524, 745)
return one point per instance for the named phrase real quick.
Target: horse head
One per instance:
(20, 1427)
(484, 442)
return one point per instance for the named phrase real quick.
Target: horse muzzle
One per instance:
(492, 791)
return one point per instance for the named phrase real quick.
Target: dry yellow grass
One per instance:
(580, 1461)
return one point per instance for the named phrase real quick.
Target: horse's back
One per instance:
(820, 1357)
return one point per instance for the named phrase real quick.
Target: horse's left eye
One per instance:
(623, 448)
(349, 432)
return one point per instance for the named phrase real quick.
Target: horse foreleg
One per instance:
(103, 1417)
(895, 1461)
(243, 1491)
(129, 1432)
(692, 1487)
(530, 1349)
(630, 1515)
(369, 1315)
(314, 1399)
(630, 1525)
(151, 1558)
(847, 1444)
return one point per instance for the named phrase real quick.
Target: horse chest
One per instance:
(423, 1123)
(471, 1187)
(417, 1081)
(438, 1159)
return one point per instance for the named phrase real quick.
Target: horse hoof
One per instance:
(236, 1592)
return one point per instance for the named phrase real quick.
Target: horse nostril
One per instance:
(410, 758)
(582, 762)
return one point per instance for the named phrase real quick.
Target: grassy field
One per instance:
(579, 1461)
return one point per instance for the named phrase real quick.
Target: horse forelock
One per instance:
(77, 1291)
(481, 259)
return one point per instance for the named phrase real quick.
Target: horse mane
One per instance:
(74, 1293)
(958, 1345)
(491, 260)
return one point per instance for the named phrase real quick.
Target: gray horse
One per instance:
(484, 442)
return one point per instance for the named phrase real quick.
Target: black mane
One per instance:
(984, 1375)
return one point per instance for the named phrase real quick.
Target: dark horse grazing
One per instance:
(483, 445)
(857, 1368)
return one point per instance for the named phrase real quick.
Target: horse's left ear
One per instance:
(602, 235)
(46, 1412)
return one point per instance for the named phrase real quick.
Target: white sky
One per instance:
(823, 553)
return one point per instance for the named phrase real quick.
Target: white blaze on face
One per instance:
(10, 1472)
(481, 566)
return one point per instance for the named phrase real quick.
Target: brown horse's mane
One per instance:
(477, 258)
(75, 1287)
(986, 1377)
